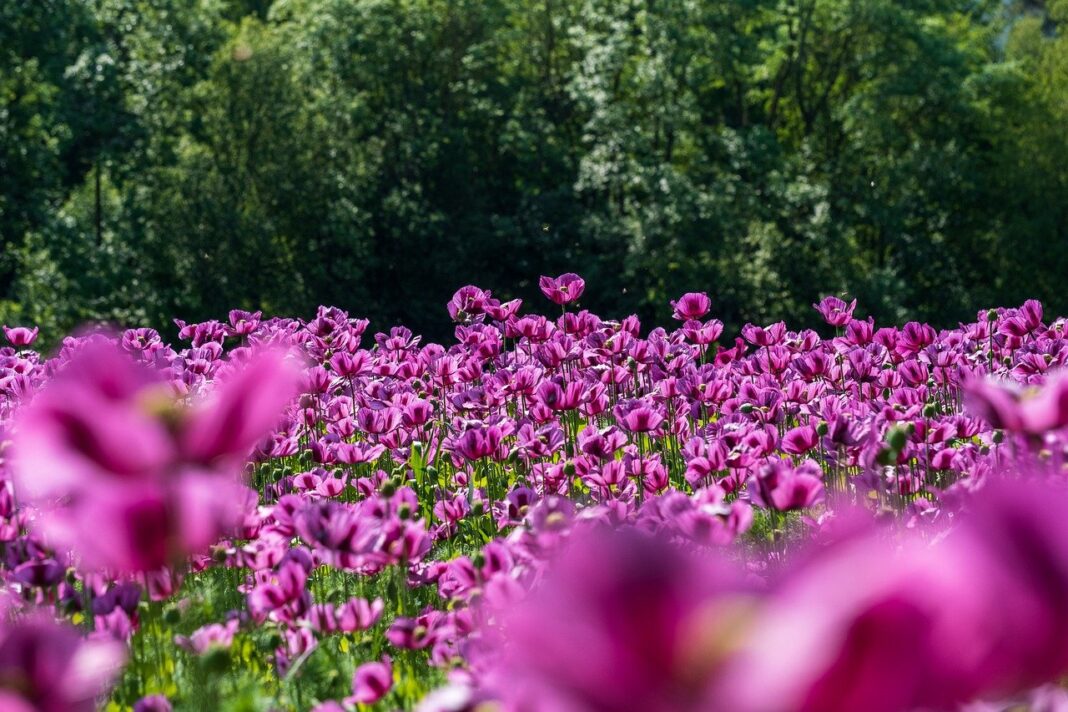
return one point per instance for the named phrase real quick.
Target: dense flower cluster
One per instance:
(551, 513)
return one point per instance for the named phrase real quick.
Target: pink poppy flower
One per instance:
(691, 306)
(20, 335)
(127, 476)
(371, 682)
(48, 667)
(564, 289)
(835, 311)
(1008, 407)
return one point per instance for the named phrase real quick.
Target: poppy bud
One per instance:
(896, 438)
(216, 660)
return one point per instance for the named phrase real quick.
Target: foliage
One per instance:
(163, 157)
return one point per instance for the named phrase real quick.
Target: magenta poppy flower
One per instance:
(835, 311)
(564, 289)
(703, 333)
(764, 336)
(128, 477)
(616, 626)
(479, 441)
(153, 703)
(799, 440)
(502, 311)
(48, 667)
(206, 638)
(900, 624)
(243, 323)
(691, 306)
(862, 627)
(371, 682)
(638, 416)
(1008, 407)
(468, 304)
(20, 335)
(777, 484)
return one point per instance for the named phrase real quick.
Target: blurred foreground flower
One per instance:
(128, 477)
(879, 620)
(48, 667)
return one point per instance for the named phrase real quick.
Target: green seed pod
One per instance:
(216, 660)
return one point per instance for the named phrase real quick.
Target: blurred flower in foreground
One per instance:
(371, 682)
(880, 620)
(1009, 407)
(48, 667)
(624, 622)
(127, 476)
(880, 625)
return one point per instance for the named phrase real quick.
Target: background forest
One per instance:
(165, 158)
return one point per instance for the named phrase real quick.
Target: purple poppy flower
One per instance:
(125, 475)
(20, 335)
(777, 484)
(764, 336)
(835, 311)
(153, 703)
(243, 323)
(564, 289)
(691, 306)
(48, 667)
(637, 416)
(371, 682)
(1008, 407)
(616, 626)
(468, 304)
(799, 440)
(479, 441)
(208, 637)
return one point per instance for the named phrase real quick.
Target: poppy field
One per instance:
(554, 512)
